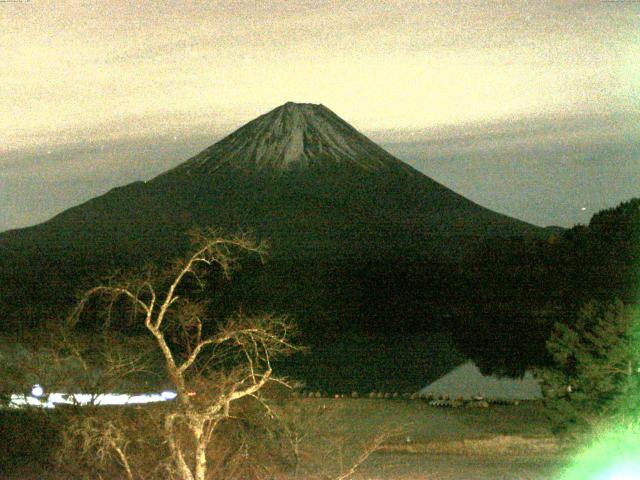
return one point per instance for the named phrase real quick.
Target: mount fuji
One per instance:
(358, 238)
(298, 170)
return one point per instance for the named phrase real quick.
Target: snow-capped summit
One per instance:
(295, 135)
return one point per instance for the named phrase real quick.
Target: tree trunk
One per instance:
(184, 471)
(201, 452)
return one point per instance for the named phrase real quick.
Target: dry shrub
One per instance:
(112, 442)
(312, 432)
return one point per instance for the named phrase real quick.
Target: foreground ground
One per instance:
(501, 442)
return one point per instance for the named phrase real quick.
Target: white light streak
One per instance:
(38, 399)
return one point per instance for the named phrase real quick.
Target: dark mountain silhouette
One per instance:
(364, 247)
(298, 170)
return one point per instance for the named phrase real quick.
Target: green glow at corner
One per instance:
(614, 455)
(625, 471)
(614, 452)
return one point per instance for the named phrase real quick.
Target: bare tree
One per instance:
(210, 369)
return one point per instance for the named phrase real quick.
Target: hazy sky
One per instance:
(96, 94)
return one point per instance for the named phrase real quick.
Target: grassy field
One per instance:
(501, 442)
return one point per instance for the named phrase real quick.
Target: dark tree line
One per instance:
(520, 288)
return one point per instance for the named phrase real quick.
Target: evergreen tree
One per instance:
(595, 372)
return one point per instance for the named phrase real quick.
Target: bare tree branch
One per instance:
(189, 364)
